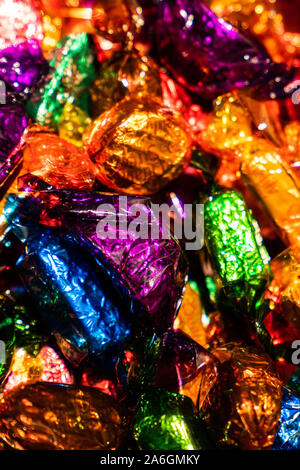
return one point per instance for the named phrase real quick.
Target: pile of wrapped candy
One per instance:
(110, 340)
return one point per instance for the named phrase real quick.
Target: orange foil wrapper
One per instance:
(243, 408)
(138, 146)
(56, 161)
(60, 417)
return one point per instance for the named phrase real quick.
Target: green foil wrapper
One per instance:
(235, 245)
(165, 421)
(72, 72)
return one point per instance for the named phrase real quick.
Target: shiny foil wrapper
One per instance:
(18, 329)
(46, 416)
(78, 300)
(220, 58)
(292, 149)
(73, 124)
(243, 408)
(13, 122)
(272, 181)
(165, 421)
(138, 146)
(288, 437)
(72, 71)
(124, 74)
(46, 366)
(22, 68)
(56, 161)
(153, 268)
(236, 248)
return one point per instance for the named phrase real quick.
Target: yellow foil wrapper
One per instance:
(124, 74)
(189, 318)
(243, 408)
(291, 152)
(269, 176)
(138, 146)
(55, 160)
(72, 124)
(44, 416)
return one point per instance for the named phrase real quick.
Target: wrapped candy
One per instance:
(71, 73)
(121, 75)
(220, 59)
(138, 146)
(73, 124)
(243, 408)
(287, 437)
(267, 174)
(18, 329)
(154, 269)
(82, 306)
(165, 421)
(46, 366)
(235, 245)
(61, 417)
(22, 67)
(56, 161)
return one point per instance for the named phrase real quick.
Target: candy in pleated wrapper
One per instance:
(81, 304)
(121, 75)
(221, 58)
(58, 162)
(152, 267)
(235, 246)
(46, 366)
(61, 417)
(22, 67)
(138, 146)
(243, 408)
(18, 329)
(165, 421)
(71, 73)
(288, 437)
(270, 178)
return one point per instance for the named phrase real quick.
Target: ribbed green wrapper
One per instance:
(72, 70)
(165, 421)
(236, 248)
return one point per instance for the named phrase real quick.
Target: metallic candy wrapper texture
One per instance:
(288, 437)
(61, 417)
(72, 71)
(292, 149)
(79, 302)
(47, 366)
(73, 124)
(21, 68)
(236, 248)
(221, 58)
(165, 421)
(121, 75)
(18, 329)
(56, 161)
(271, 179)
(243, 408)
(13, 122)
(138, 146)
(189, 318)
(154, 269)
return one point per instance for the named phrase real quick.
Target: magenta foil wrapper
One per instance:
(22, 67)
(210, 57)
(153, 269)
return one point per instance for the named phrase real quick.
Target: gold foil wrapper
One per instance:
(72, 124)
(46, 416)
(55, 160)
(244, 407)
(189, 318)
(122, 75)
(269, 176)
(138, 146)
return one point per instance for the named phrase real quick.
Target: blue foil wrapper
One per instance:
(288, 436)
(83, 307)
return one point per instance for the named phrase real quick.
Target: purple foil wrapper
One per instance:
(153, 269)
(209, 57)
(21, 68)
